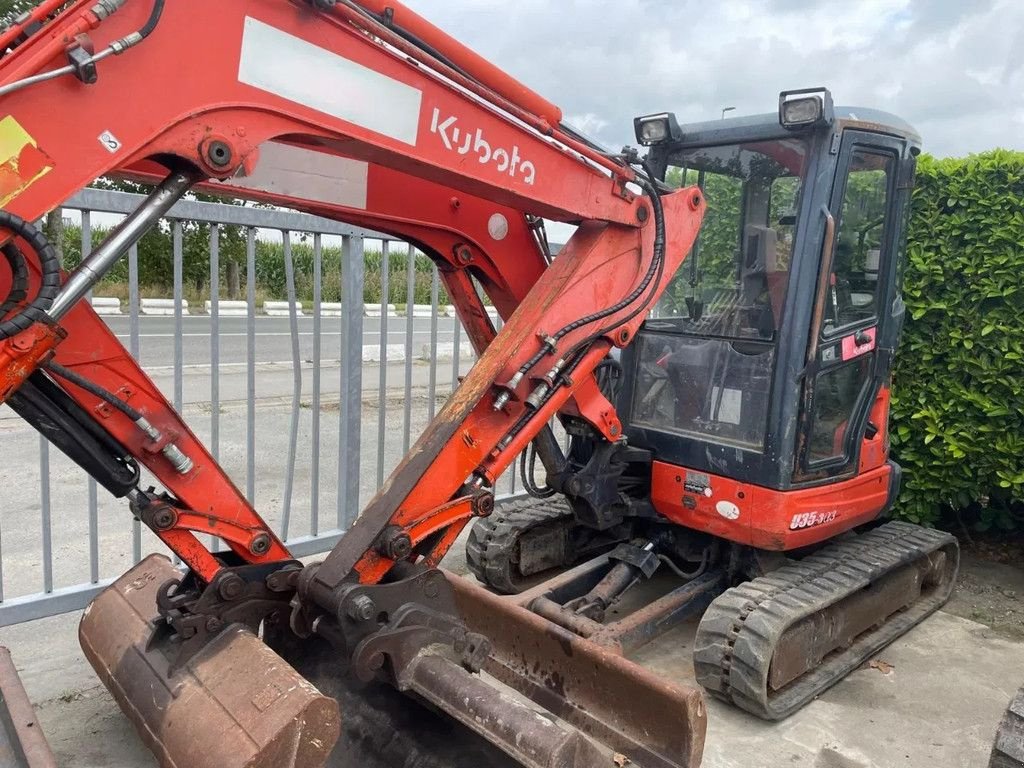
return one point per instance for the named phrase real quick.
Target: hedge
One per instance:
(958, 394)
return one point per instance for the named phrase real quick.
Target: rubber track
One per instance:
(736, 639)
(492, 540)
(1008, 751)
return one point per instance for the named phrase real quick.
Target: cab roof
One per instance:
(766, 126)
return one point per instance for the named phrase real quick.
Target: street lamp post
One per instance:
(727, 109)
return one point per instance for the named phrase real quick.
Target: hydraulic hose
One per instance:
(48, 263)
(654, 273)
(19, 279)
(655, 268)
(93, 388)
(153, 20)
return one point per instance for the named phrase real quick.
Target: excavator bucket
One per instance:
(544, 699)
(235, 704)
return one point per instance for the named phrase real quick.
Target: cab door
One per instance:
(857, 313)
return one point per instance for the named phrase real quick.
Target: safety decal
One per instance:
(728, 510)
(22, 162)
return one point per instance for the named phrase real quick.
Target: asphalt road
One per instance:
(274, 343)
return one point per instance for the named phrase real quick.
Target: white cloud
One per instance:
(955, 70)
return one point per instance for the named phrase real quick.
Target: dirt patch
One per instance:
(990, 589)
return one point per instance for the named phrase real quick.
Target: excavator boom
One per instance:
(253, 98)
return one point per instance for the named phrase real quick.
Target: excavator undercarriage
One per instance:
(722, 373)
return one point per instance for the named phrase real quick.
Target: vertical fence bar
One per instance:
(133, 347)
(410, 320)
(214, 350)
(45, 504)
(179, 323)
(250, 365)
(93, 495)
(456, 341)
(87, 241)
(352, 275)
(179, 384)
(432, 384)
(215, 340)
(133, 301)
(293, 425)
(382, 384)
(314, 459)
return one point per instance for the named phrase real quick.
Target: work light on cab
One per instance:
(806, 108)
(656, 129)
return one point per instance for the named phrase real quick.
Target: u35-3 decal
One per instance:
(811, 519)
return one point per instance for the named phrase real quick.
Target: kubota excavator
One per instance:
(727, 413)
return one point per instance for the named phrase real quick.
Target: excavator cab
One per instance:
(766, 363)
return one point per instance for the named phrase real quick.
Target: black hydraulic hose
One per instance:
(48, 263)
(95, 389)
(656, 267)
(153, 20)
(527, 468)
(19, 279)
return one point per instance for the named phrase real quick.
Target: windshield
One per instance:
(733, 282)
(707, 353)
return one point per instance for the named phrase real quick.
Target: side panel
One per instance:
(766, 518)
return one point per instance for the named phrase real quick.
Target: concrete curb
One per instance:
(446, 351)
(229, 308)
(374, 310)
(161, 307)
(281, 309)
(104, 306)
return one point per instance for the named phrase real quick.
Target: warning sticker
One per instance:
(22, 162)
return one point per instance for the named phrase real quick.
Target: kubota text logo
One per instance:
(459, 140)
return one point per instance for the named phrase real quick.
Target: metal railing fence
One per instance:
(307, 412)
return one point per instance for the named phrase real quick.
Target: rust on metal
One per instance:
(22, 743)
(503, 719)
(619, 704)
(654, 619)
(235, 704)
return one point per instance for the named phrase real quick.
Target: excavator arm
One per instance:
(358, 111)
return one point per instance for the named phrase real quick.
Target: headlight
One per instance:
(805, 108)
(656, 129)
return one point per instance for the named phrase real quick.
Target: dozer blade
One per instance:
(235, 704)
(618, 709)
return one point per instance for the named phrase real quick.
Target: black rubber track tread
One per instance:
(1008, 751)
(492, 540)
(736, 638)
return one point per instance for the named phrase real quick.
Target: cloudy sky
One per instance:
(953, 68)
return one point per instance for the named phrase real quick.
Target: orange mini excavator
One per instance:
(724, 388)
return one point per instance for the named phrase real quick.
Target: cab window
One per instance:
(853, 287)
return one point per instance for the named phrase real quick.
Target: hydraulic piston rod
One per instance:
(128, 232)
